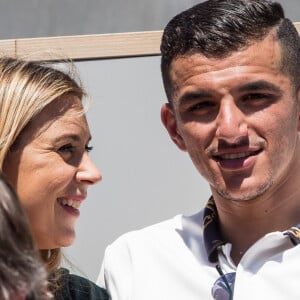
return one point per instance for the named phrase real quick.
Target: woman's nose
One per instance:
(87, 171)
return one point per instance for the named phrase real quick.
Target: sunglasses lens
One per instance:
(223, 287)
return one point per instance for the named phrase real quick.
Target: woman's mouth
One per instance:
(69, 202)
(70, 205)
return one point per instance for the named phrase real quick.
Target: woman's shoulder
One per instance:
(76, 288)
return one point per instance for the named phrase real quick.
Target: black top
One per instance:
(74, 287)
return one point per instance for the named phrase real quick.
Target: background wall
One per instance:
(40, 18)
(146, 179)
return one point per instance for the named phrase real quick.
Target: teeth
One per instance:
(69, 202)
(235, 155)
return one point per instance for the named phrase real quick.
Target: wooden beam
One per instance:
(8, 47)
(82, 47)
(297, 24)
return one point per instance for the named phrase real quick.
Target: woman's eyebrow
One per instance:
(72, 136)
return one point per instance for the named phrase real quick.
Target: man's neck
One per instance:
(242, 223)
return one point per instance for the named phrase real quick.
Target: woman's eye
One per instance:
(69, 148)
(88, 148)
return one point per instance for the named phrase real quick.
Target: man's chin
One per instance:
(240, 195)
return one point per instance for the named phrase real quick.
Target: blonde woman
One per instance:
(44, 145)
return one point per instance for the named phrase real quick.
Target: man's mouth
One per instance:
(238, 155)
(236, 161)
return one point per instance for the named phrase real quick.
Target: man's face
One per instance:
(237, 117)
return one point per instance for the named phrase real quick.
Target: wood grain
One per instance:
(83, 47)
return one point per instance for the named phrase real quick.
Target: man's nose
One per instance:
(231, 122)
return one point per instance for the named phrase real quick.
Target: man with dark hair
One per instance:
(231, 71)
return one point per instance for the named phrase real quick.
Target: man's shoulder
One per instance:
(170, 231)
(174, 242)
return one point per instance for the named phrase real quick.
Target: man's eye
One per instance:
(256, 96)
(68, 148)
(202, 106)
(258, 100)
(88, 148)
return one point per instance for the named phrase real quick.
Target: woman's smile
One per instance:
(51, 171)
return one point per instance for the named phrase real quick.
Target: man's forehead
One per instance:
(265, 53)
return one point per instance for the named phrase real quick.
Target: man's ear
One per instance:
(169, 121)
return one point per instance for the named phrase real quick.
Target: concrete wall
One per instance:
(39, 18)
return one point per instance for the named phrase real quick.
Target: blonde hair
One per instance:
(26, 88)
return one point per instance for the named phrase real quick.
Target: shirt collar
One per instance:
(212, 235)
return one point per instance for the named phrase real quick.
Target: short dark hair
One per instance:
(216, 28)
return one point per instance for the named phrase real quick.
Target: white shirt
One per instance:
(168, 261)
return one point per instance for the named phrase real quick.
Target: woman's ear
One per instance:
(169, 121)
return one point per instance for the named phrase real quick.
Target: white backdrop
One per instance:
(146, 179)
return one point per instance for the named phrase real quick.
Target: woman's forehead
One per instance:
(60, 116)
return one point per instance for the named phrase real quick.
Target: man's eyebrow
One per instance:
(247, 87)
(192, 96)
(259, 85)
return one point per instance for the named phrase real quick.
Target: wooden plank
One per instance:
(7, 47)
(91, 46)
(82, 47)
(297, 24)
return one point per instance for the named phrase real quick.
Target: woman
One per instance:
(22, 275)
(44, 145)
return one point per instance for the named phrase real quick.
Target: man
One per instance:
(231, 71)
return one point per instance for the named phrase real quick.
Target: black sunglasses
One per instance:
(224, 286)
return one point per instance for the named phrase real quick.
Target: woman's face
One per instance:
(50, 169)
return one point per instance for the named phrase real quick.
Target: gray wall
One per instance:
(39, 18)
(145, 178)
